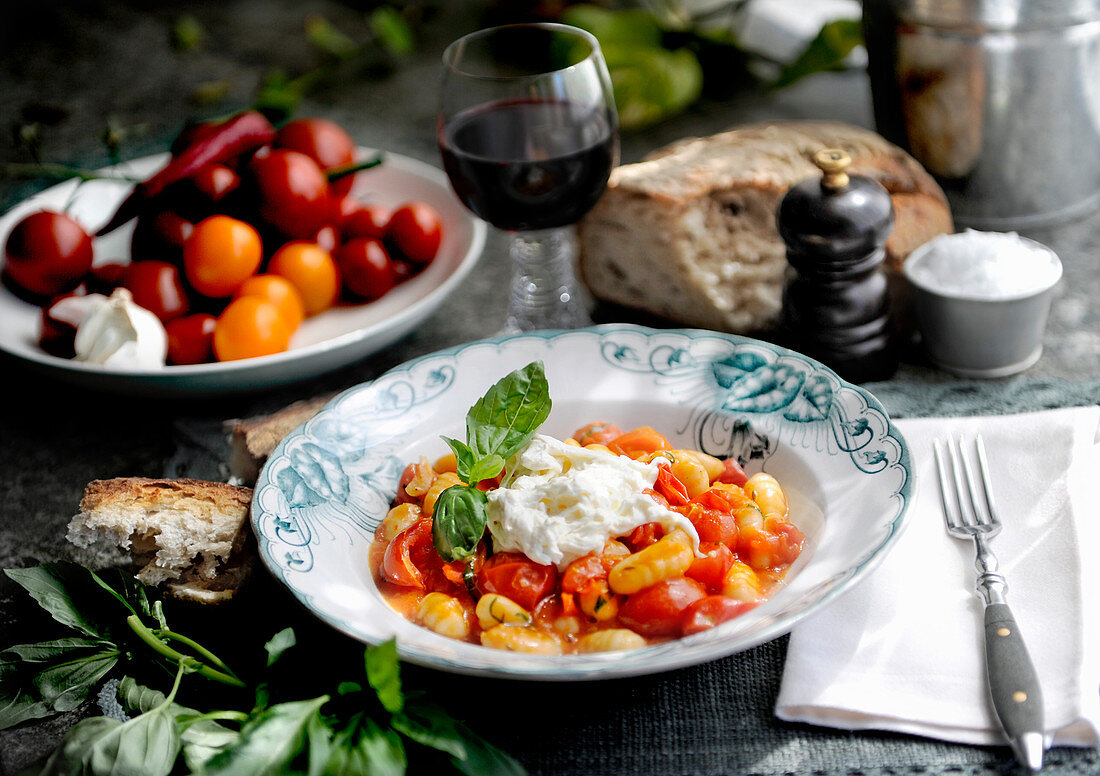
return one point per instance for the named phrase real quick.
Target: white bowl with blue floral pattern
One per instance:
(330, 482)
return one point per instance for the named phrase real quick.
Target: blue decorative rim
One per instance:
(743, 395)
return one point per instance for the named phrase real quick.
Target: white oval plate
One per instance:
(328, 484)
(325, 342)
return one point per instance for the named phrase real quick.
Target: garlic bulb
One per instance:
(116, 332)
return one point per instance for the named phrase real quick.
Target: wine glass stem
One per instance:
(545, 293)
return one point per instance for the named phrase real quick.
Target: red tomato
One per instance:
(361, 219)
(57, 325)
(732, 473)
(191, 339)
(160, 235)
(598, 433)
(366, 267)
(669, 486)
(582, 571)
(517, 577)
(710, 611)
(156, 286)
(47, 254)
(416, 230)
(291, 192)
(712, 525)
(658, 610)
(712, 567)
(406, 558)
(327, 237)
(323, 141)
(644, 535)
(105, 278)
(403, 496)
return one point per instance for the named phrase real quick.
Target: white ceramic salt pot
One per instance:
(982, 300)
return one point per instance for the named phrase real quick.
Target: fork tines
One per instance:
(963, 510)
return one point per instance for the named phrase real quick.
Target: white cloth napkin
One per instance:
(903, 650)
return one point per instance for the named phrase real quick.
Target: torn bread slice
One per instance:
(192, 534)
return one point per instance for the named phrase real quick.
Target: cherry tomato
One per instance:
(710, 611)
(323, 141)
(712, 567)
(211, 190)
(191, 339)
(645, 535)
(156, 286)
(277, 290)
(416, 230)
(160, 235)
(669, 486)
(581, 572)
(47, 254)
(249, 327)
(327, 237)
(732, 473)
(366, 267)
(313, 272)
(515, 576)
(598, 433)
(105, 278)
(712, 525)
(291, 192)
(658, 610)
(58, 322)
(361, 219)
(410, 559)
(220, 254)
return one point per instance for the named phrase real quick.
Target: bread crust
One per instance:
(689, 233)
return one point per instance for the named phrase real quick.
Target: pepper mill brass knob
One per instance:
(836, 307)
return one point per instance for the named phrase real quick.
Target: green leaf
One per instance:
(631, 26)
(187, 33)
(279, 643)
(465, 459)
(484, 759)
(486, 468)
(508, 415)
(39, 680)
(392, 31)
(379, 752)
(326, 38)
(431, 726)
(652, 84)
(458, 521)
(269, 741)
(827, 51)
(65, 590)
(384, 674)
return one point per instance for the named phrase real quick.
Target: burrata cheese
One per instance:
(559, 502)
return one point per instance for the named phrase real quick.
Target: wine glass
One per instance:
(528, 134)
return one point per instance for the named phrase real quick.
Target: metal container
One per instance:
(998, 99)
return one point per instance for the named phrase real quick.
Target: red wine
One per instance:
(529, 164)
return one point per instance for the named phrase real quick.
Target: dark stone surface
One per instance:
(101, 60)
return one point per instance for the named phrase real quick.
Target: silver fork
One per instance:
(1013, 683)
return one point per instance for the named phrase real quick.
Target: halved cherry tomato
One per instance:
(712, 567)
(732, 473)
(644, 535)
(712, 525)
(710, 611)
(598, 433)
(191, 339)
(402, 561)
(581, 572)
(47, 254)
(659, 609)
(277, 290)
(156, 286)
(515, 576)
(639, 441)
(313, 272)
(220, 254)
(366, 268)
(249, 327)
(417, 231)
(669, 486)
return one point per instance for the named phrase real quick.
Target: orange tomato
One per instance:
(220, 253)
(277, 290)
(313, 272)
(639, 441)
(248, 327)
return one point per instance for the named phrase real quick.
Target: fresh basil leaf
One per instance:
(384, 674)
(508, 415)
(70, 756)
(269, 741)
(392, 31)
(65, 591)
(279, 643)
(464, 458)
(378, 752)
(486, 468)
(348, 688)
(431, 726)
(39, 680)
(827, 51)
(458, 521)
(484, 759)
(652, 84)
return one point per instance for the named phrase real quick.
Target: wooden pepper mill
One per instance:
(836, 309)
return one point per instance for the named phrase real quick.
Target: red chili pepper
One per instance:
(239, 135)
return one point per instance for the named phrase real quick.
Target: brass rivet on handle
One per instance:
(1019, 696)
(833, 162)
(1003, 631)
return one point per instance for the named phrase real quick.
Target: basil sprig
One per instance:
(498, 425)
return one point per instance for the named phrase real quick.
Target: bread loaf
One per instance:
(689, 233)
(192, 534)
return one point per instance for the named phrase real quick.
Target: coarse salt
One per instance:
(984, 265)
